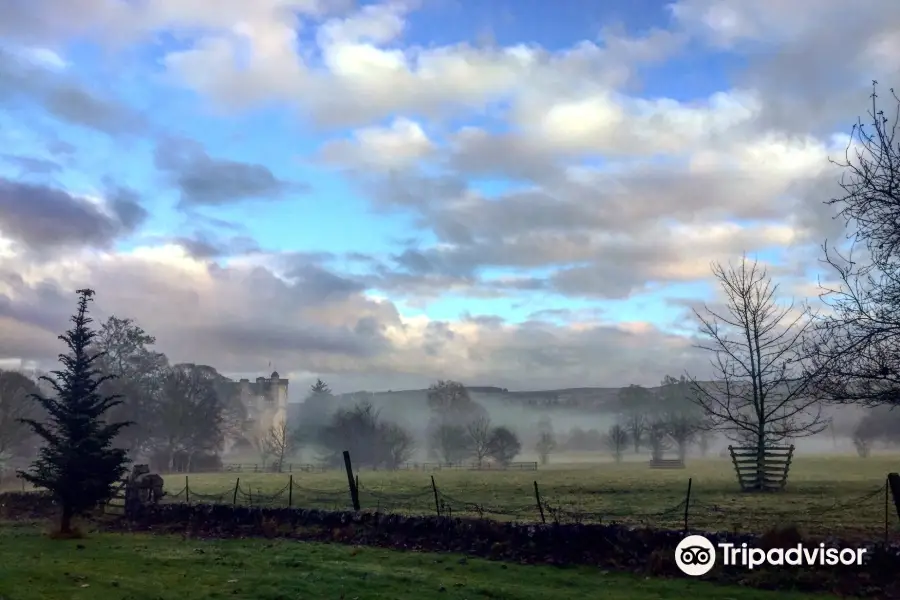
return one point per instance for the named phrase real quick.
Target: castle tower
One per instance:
(277, 399)
(266, 402)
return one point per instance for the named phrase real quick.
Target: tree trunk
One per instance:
(171, 451)
(65, 520)
(761, 459)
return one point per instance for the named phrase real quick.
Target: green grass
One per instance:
(829, 495)
(836, 495)
(124, 566)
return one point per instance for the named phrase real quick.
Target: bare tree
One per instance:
(396, 445)
(546, 442)
(880, 424)
(635, 402)
(758, 391)
(863, 444)
(658, 439)
(617, 441)
(683, 429)
(636, 426)
(260, 442)
(855, 355)
(704, 439)
(280, 443)
(479, 433)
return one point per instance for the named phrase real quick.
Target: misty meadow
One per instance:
(409, 300)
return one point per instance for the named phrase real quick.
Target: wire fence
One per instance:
(274, 467)
(868, 516)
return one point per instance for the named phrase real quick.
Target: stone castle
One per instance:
(266, 401)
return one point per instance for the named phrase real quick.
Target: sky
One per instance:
(525, 194)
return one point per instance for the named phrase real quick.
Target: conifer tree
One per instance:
(77, 462)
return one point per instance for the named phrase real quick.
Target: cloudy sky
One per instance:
(520, 193)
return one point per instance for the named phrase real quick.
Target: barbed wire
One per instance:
(561, 505)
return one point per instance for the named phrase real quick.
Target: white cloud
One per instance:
(614, 189)
(400, 144)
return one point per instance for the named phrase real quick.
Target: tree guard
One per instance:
(766, 472)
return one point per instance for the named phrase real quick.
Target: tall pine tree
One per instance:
(77, 462)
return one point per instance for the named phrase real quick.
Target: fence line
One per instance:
(408, 466)
(691, 513)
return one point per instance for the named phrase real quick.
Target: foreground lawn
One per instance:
(122, 566)
(825, 494)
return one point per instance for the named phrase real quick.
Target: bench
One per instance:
(667, 463)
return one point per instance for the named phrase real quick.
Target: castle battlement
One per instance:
(266, 401)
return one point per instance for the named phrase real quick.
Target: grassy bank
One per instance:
(117, 566)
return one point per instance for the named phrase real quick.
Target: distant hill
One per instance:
(587, 398)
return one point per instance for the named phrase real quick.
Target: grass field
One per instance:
(830, 495)
(115, 566)
(825, 495)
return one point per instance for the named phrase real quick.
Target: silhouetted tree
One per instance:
(397, 445)
(546, 442)
(636, 406)
(478, 431)
(320, 387)
(188, 415)
(281, 443)
(137, 372)
(450, 443)
(658, 439)
(371, 442)
(450, 403)
(758, 391)
(77, 463)
(855, 355)
(617, 441)
(879, 424)
(503, 445)
(316, 409)
(683, 429)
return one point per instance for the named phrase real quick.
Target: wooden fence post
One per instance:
(187, 490)
(437, 504)
(237, 485)
(290, 491)
(894, 484)
(540, 505)
(687, 505)
(887, 512)
(351, 482)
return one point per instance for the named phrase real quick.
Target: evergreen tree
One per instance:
(315, 411)
(77, 462)
(320, 388)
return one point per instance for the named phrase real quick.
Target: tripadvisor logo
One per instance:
(695, 555)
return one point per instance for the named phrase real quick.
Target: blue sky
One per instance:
(576, 162)
(334, 216)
